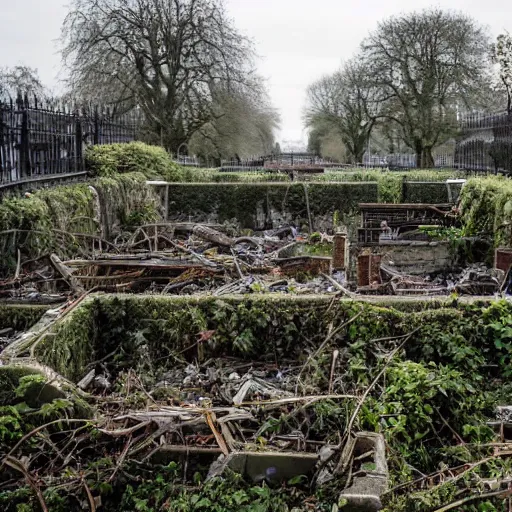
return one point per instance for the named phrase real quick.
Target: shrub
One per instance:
(486, 207)
(153, 161)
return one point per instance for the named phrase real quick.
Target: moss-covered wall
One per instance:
(54, 220)
(258, 326)
(486, 208)
(425, 192)
(432, 378)
(263, 205)
(20, 317)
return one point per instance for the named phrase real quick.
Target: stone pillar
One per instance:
(338, 255)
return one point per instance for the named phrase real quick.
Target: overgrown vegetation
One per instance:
(152, 161)
(19, 317)
(69, 219)
(38, 224)
(486, 208)
(258, 205)
(431, 403)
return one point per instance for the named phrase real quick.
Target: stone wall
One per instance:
(406, 257)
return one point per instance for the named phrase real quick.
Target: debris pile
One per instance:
(181, 258)
(475, 279)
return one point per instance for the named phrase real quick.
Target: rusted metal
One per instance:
(309, 264)
(399, 218)
(503, 258)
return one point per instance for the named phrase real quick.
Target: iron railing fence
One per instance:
(483, 144)
(406, 160)
(281, 161)
(39, 139)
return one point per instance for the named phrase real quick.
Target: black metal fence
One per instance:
(39, 139)
(485, 143)
(276, 161)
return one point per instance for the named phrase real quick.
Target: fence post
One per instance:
(5, 174)
(79, 161)
(403, 189)
(96, 135)
(24, 146)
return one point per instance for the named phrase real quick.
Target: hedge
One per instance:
(255, 204)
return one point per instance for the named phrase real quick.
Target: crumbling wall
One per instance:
(65, 218)
(407, 257)
(427, 381)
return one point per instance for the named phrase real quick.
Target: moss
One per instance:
(435, 193)
(380, 174)
(450, 369)
(70, 208)
(71, 347)
(35, 224)
(49, 220)
(20, 317)
(108, 324)
(36, 389)
(126, 200)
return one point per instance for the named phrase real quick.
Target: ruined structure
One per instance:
(192, 346)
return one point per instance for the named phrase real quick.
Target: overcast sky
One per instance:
(298, 40)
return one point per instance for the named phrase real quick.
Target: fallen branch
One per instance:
(213, 236)
(339, 286)
(483, 496)
(66, 274)
(19, 466)
(125, 431)
(294, 399)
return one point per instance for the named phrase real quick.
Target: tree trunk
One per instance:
(212, 235)
(427, 160)
(424, 158)
(359, 154)
(418, 150)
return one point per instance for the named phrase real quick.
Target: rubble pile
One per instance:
(183, 259)
(475, 279)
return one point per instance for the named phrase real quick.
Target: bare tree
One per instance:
(243, 126)
(166, 56)
(21, 80)
(503, 56)
(425, 64)
(344, 102)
